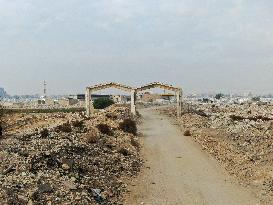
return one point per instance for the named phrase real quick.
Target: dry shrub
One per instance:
(255, 118)
(105, 129)
(66, 127)
(187, 133)
(236, 118)
(77, 123)
(128, 125)
(44, 133)
(124, 151)
(92, 137)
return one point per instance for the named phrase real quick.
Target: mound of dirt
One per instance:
(83, 166)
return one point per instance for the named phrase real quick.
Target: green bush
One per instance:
(102, 103)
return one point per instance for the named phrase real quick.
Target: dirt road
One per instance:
(178, 172)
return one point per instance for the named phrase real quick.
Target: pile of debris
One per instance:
(81, 161)
(240, 137)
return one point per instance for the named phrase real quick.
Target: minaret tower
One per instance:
(44, 89)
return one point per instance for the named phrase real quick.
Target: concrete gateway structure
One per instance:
(178, 92)
(89, 90)
(133, 92)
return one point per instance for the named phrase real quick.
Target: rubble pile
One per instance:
(69, 163)
(238, 136)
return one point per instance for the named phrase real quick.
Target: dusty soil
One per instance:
(177, 171)
(21, 122)
(238, 136)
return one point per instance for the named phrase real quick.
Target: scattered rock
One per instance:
(70, 185)
(45, 188)
(65, 166)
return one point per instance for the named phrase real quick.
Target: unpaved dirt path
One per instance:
(178, 172)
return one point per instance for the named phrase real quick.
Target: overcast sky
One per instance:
(200, 45)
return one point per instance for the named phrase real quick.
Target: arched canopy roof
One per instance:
(158, 85)
(98, 87)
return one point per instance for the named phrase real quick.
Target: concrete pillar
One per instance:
(89, 104)
(92, 109)
(179, 102)
(87, 101)
(133, 102)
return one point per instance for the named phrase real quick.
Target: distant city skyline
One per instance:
(113, 91)
(201, 45)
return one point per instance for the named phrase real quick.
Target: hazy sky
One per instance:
(201, 45)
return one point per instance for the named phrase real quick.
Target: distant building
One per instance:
(72, 101)
(168, 96)
(81, 97)
(158, 98)
(3, 93)
(115, 98)
(77, 97)
(121, 98)
(148, 97)
(41, 102)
